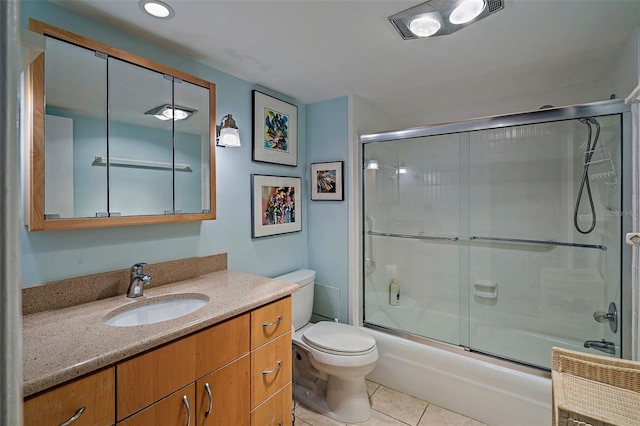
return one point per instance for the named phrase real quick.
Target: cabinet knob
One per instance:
(74, 417)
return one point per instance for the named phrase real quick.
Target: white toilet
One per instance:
(330, 359)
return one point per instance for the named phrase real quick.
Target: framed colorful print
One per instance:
(275, 130)
(326, 181)
(275, 205)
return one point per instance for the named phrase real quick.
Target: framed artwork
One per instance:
(326, 181)
(275, 205)
(275, 130)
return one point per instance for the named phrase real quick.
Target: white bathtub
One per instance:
(488, 391)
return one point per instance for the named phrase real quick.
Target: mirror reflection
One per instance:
(75, 121)
(122, 139)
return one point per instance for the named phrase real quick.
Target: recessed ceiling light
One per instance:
(424, 26)
(467, 11)
(157, 9)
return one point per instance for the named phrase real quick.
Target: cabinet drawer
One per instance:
(95, 393)
(172, 410)
(275, 411)
(270, 321)
(223, 396)
(221, 344)
(149, 377)
(270, 368)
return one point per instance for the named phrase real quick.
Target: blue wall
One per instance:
(56, 255)
(328, 140)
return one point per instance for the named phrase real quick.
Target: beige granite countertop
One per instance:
(62, 344)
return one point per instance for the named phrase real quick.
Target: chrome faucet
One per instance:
(601, 345)
(138, 280)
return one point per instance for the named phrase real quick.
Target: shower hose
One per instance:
(585, 176)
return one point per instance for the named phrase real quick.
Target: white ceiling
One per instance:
(314, 50)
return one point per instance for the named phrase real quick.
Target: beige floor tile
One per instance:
(379, 419)
(371, 387)
(438, 416)
(315, 419)
(300, 422)
(398, 405)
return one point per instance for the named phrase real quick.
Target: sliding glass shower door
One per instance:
(486, 233)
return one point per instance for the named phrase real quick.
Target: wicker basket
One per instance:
(593, 390)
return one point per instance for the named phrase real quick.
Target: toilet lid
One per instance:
(337, 337)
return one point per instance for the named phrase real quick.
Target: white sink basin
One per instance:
(156, 309)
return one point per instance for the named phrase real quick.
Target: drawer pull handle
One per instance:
(208, 389)
(74, 417)
(271, 324)
(275, 370)
(185, 401)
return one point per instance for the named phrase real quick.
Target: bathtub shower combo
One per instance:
(502, 236)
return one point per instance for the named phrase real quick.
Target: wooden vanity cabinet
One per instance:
(95, 393)
(176, 409)
(223, 396)
(271, 398)
(235, 373)
(155, 379)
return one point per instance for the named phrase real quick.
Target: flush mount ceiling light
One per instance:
(157, 9)
(442, 17)
(467, 11)
(167, 112)
(424, 26)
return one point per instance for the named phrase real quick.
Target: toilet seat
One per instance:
(338, 339)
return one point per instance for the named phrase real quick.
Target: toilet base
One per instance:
(346, 400)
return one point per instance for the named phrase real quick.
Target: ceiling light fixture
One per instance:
(157, 9)
(442, 17)
(168, 111)
(467, 11)
(424, 26)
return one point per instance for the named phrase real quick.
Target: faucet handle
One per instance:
(137, 268)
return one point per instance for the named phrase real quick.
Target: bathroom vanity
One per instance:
(227, 363)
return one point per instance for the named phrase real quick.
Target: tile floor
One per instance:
(393, 408)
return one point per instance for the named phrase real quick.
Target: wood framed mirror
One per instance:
(115, 139)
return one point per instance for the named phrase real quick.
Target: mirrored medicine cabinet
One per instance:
(115, 139)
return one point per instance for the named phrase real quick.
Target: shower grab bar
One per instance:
(540, 242)
(414, 237)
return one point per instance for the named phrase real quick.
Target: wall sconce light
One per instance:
(227, 132)
(168, 111)
(373, 165)
(402, 169)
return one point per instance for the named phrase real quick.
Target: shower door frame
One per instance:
(571, 112)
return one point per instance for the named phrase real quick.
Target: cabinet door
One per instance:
(275, 411)
(221, 344)
(270, 368)
(177, 409)
(94, 393)
(223, 396)
(270, 321)
(149, 377)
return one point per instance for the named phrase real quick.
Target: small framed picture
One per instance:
(275, 130)
(276, 205)
(326, 181)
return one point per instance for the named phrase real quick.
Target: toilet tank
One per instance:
(301, 300)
